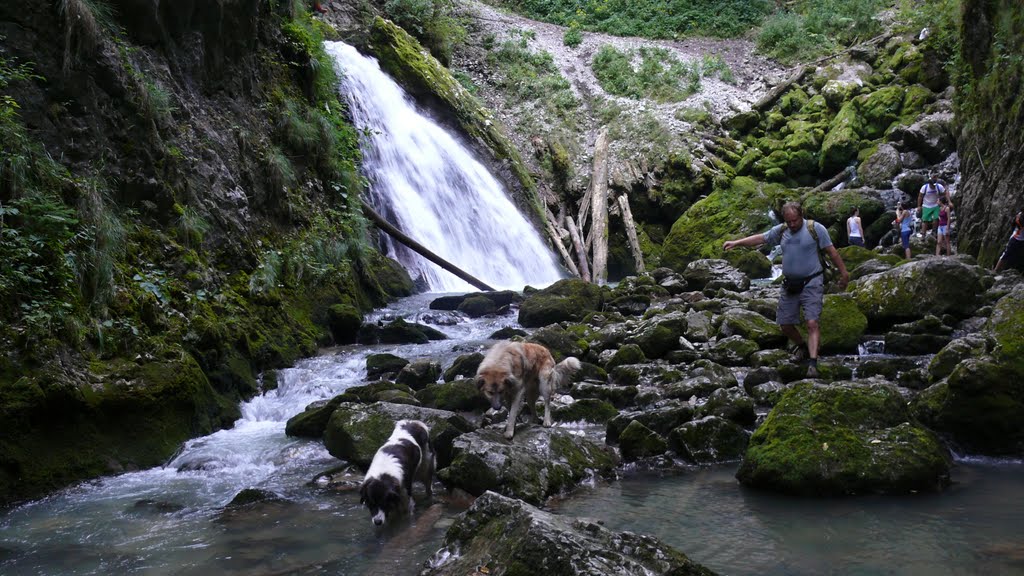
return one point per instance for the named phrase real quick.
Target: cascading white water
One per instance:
(429, 185)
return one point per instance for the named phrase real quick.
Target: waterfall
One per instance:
(428, 184)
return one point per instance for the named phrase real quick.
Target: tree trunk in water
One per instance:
(577, 243)
(599, 207)
(634, 242)
(420, 249)
(833, 181)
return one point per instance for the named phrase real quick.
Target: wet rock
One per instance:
(698, 326)
(477, 306)
(627, 354)
(732, 351)
(843, 325)
(838, 439)
(752, 326)
(710, 275)
(585, 409)
(355, 431)
(638, 441)
(505, 536)
(344, 320)
(311, 422)
(459, 395)
(769, 392)
(931, 137)
(560, 342)
(759, 376)
(729, 403)
(630, 305)
(662, 419)
(537, 463)
(618, 396)
(381, 366)
(250, 496)
(659, 334)
(914, 344)
(465, 366)
(947, 359)
(670, 280)
(401, 332)
(881, 167)
(507, 333)
(419, 373)
(709, 440)
(889, 367)
(570, 299)
(920, 287)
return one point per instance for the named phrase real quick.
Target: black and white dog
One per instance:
(406, 456)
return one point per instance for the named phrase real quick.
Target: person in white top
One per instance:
(928, 202)
(854, 230)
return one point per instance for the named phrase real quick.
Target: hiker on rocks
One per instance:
(928, 202)
(1013, 255)
(804, 285)
(905, 222)
(854, 229)
(942, 236)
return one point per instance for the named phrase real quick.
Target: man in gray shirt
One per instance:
(804, 286)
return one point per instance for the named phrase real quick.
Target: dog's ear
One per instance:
(479, 381)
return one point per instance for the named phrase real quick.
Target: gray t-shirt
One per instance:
(799, 254)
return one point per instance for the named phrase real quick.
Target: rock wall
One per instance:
(989, 106)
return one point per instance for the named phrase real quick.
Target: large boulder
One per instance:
(569, 299)
(500, 535)
(843, 438)
(659, 334)
(355, 431)
(752, 326)
(881, 167)
(537, 463)
(931, 136)
(709, 440)
(662, 419)
(842, 324)
(710, 275)
(1006, 327)
(930, 286)
(459, 395)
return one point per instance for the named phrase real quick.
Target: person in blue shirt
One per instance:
(804, 287)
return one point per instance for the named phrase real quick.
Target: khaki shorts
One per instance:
(810, 299)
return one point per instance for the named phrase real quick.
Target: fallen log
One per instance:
(415, 246)
(581, 252)
(634, 242)
(556, 238)
(834, 181)
(599, 207)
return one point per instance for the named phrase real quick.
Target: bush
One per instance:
(816, 27)
(572, 37)
(660, 75)
(432, 22)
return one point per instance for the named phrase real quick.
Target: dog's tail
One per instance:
(563, 371)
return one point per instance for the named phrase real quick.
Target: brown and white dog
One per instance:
(516, 372)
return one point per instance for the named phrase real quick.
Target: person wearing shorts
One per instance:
(804, 288)
(854, 229)
(942, 237)
(905, 221)
(928, 202)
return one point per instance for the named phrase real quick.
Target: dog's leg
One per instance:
(513, 413)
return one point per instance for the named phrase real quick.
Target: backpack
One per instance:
(828, 271)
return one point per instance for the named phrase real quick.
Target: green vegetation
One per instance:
(649, 18)
(433, 22)
(527, 76)
(810, 28)
(660, 75)
(573, 37)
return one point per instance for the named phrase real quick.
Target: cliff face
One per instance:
(178, 212)
(990, 108)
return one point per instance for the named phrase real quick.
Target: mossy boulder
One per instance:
(658, 335)
(831, 208)
(842, 142)
(752, 263)
(500, 535)
(311, 422)
(560, 342)
(709, 275)
(456, 396)
(881, 167)
(732, 351)
(661, 419)
(709, 440)
(618, 396)
(355, 431)
(910, 291)
(343, 320)
(840, 439)
(477, 306)
(1006, 327)
(733, 212)
(537, 463)
(638, 441)
(879, 110)
(399, 331)
(842, 324)
(384, 365)
(380, 391)
(419, 373)
(752, 326)
(569, 299)
(586, 410)
(627, 354)
(730, 403)
(465, 366)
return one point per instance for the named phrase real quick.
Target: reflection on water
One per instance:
(973, 528)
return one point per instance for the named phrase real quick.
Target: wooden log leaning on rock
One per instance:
(834, 181)
(778, 90)
(634, 241)
(581, 252)
(556, 238)
(415, 246)
(599, 207)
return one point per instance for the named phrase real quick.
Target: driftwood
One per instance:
(778, 90)
(556, 238)
(634, 242)
(577, 243)
(599, 207)
(834, 181)
(419, 248)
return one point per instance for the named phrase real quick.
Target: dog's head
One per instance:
(382, 497)
(495, 387)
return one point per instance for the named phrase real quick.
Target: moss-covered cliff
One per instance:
(989, 106)
(178, 212)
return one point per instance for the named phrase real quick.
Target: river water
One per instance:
(173, 520)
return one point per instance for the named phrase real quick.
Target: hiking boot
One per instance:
(812, 371)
